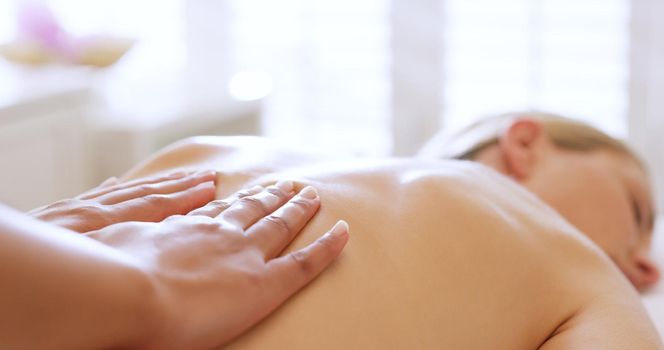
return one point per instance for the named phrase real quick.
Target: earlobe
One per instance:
(520, 145)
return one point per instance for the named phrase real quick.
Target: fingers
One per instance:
(214, 208)
(293, 271)
(163, 187)
(102, 190)
(273, 233)
(157, 207)
(248, 210)
(103, 187)
(111, 181)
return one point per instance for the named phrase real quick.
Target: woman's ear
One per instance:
(521, 145)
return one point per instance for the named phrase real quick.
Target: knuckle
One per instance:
(326, 248)
(87, 209)
(209, 226)
(157, 200)
(277, 223)
(254, 278)
(161, 204)
(275, 191)
(220, 204)
(65, 204)
(232, 230)
(174, 218)
(213, 226)
(92, 212)
(327, 242)
(302, 204)
(302, 262)
(146, 189)
(254, 204)
(243, 193)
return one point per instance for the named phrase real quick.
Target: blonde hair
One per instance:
(564, 132)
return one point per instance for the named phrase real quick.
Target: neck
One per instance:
(493, 158)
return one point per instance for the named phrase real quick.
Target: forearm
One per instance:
(66, 291)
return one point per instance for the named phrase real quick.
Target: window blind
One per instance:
(329, 65)
(564, 56)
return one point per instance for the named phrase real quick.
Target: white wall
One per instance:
(417, 72)
(647, 87)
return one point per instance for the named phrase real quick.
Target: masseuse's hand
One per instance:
(218, 271)
(147, 199)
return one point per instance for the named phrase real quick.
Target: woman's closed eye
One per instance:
(643, 218)
(638, 216)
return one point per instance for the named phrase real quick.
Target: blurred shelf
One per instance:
(43, 152)
(26, 91)
(64, 129)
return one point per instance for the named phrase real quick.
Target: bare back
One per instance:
(442, 255)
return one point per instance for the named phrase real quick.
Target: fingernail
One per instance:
(285, 186)
(340, 229)
(256, 189)
(309, 193)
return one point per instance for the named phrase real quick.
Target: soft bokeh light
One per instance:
(247, 86)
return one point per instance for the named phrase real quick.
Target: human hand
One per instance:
(147, 199)
(217, 271)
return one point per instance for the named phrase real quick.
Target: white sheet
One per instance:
(654, 299)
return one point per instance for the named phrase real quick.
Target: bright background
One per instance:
(378, 77)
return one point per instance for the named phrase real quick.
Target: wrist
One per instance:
(149, 312)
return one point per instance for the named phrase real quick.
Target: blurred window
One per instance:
(329, 63)
(6, 21)
(564, 56)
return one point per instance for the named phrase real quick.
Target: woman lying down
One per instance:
(455, 255)
(540, 243)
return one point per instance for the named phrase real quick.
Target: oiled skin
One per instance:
(443, 255)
